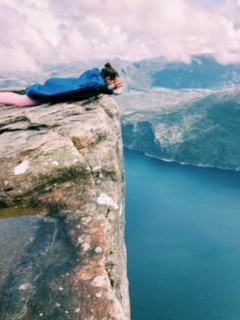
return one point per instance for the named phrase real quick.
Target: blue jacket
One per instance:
(89, 84)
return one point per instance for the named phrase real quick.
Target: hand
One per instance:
(118, 84)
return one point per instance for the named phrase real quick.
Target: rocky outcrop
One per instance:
(65, 163)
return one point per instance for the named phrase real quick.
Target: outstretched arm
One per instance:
(106, 88)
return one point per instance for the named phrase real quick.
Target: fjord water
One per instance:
(183, 240)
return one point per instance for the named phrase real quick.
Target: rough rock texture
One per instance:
(66, 161)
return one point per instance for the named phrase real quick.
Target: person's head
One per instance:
(109, 74)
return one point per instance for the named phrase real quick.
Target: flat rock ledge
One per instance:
(66, 161)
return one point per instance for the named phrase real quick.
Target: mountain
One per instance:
(202, 72)
(12, 82)
(188, 113)
(204, 132)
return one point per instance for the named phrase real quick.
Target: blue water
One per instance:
(183, 240)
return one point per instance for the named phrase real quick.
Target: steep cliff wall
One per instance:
(64, 162)
(204, 132)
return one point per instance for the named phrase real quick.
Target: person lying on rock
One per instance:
(91, 83)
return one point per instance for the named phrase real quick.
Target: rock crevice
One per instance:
(65, 162)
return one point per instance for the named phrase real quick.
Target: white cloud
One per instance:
(62, 31)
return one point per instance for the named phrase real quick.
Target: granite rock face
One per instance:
(64, 162)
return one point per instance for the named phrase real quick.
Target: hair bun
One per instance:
(109, 71)
(108, 65)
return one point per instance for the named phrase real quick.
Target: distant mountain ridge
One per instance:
(203, 72)
(189, 113)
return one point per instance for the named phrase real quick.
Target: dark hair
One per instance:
(109, 71)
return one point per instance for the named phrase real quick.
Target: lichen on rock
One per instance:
(66, 159)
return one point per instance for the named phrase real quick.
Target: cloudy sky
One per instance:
(60, 31)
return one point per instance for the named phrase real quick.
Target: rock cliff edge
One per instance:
(65, 162)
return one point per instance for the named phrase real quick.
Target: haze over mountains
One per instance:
(189, 113)
(203, 72)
